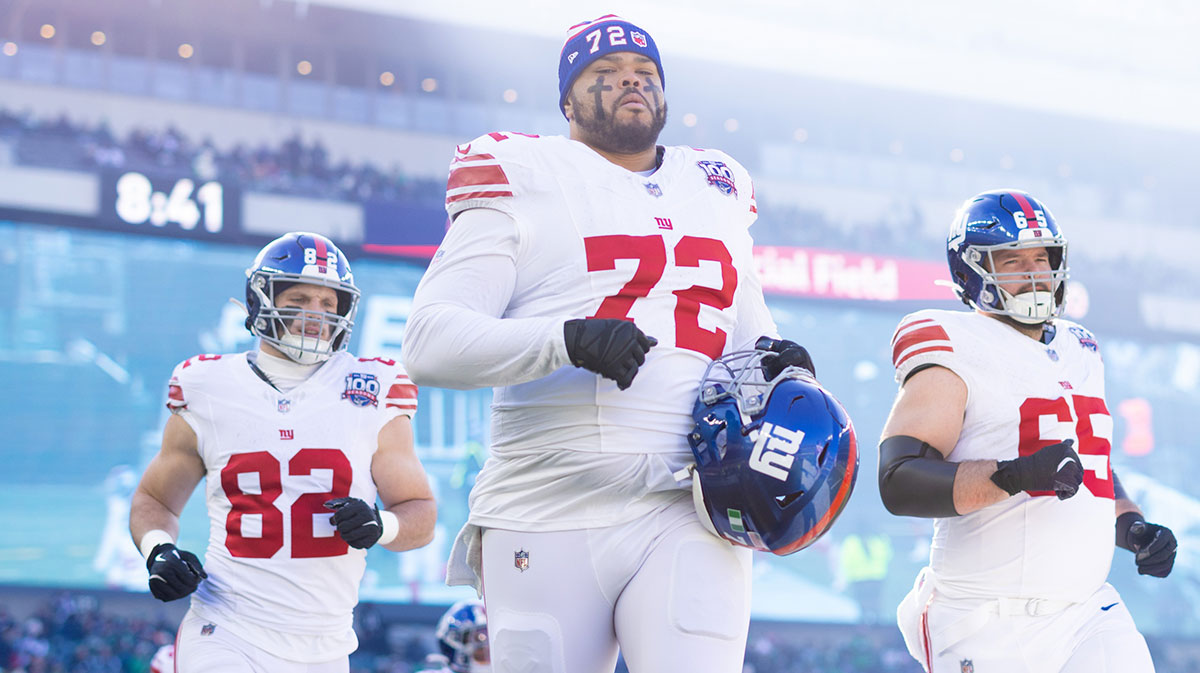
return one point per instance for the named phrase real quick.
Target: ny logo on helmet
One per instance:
(774, 450)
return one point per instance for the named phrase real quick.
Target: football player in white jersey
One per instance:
(574, 265)
(296, 440)
(1002, 435)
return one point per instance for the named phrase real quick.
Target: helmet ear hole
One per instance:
(785, 500)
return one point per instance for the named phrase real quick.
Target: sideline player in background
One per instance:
(284, 435)
(572, 266)
(463, 640)
(1001, 434)
(164, 659)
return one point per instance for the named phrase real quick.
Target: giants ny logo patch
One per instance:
(719, 175)
(775, 450)
(362, 390)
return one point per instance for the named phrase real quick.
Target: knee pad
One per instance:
(525, 643)
(710, 589)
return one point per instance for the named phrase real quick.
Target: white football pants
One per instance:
(1095, 636)
(201, 649)
(670, 594)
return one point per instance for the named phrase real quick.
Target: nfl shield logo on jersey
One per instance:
(966, 666)
(521, 560)
(653, 189)
(283, 405)
(362, 390)
(207, 629)
(719, 176)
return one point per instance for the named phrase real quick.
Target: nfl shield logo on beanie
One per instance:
(600, 37)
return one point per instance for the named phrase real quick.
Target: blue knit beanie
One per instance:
(590, 40)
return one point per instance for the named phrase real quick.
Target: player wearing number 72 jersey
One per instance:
(296, 440)
(1001, 433)
(590, 280)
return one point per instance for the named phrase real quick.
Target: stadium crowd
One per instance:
(295, 167)
(73, 633)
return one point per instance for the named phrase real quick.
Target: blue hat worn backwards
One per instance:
(590, 40)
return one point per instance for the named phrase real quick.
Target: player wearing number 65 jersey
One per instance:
(296, 441)
(1001, 433)
(591, 280)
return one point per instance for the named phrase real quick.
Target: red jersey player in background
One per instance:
(574, 265)
(296, 440)
(1001, 433)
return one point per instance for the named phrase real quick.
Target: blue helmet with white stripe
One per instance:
(776, 461)
(1006, 219)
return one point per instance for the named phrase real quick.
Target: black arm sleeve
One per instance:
(914, 479)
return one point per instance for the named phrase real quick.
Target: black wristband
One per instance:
(1124, 523)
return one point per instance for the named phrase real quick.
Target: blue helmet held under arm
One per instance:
(776, 461)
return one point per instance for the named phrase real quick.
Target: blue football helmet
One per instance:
(462, 635)
(300, 257)
(776, 460)
(1002, 220)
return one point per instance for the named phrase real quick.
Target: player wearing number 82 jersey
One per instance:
(296, 441)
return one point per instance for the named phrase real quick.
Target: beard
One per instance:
(602, 130)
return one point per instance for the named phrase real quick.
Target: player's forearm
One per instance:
(417, 520)
(450, 346)
(147, 514)
(973, 486)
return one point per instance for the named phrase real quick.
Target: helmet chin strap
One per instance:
(1029, 308)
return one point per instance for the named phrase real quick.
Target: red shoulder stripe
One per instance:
(476, 195)
(402, 391)
(474, 157)
(907, 326)
(947, 348)
(474, 176)
(931, 337)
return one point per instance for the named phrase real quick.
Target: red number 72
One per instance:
(651, 253)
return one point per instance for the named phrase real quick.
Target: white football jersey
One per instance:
(670, 251)
(277, 571)
(1022, 395)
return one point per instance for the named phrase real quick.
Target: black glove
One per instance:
(358, 523)
(1052, 468)
(1153, 545)
(173, 573)
(612, 348)
(790, 354)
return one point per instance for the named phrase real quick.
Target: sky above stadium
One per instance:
(1132, 62)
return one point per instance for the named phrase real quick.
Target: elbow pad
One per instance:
(914, 479)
